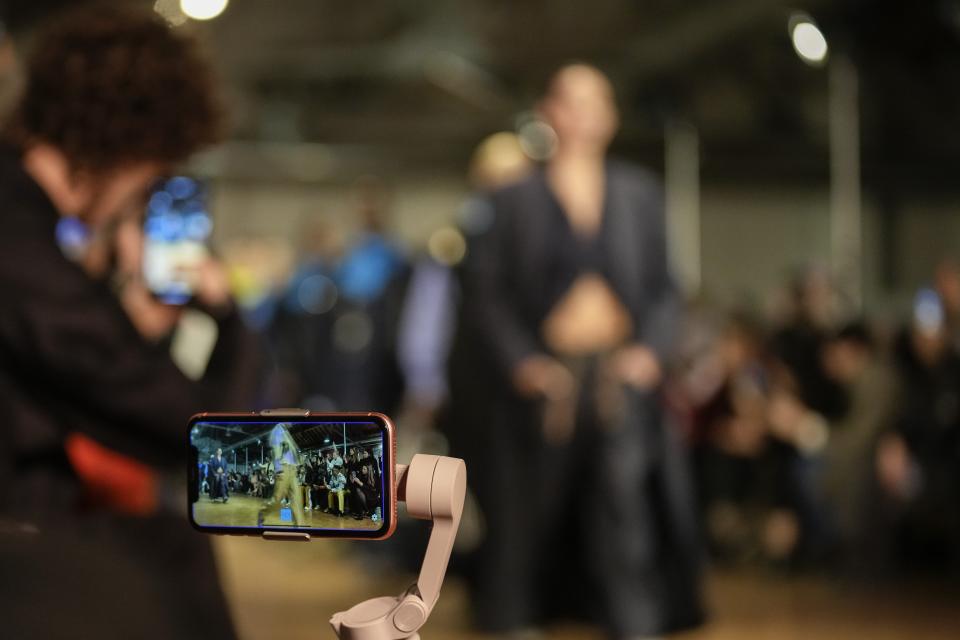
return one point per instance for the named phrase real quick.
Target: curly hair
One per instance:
(109, 86)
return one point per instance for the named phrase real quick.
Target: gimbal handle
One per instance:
(434, 488)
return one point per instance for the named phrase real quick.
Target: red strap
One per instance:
(110, 479)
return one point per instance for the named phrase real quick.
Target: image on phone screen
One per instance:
(177, 228)
(311, 474)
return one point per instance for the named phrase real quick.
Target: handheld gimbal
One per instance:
(433, 488)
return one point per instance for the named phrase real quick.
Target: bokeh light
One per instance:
(317, 294)
(808, 41)
(203, 9)
(170, 11)
(537, 138)
(353, 332)
(447, 246)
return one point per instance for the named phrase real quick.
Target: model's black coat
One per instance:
(605, 522)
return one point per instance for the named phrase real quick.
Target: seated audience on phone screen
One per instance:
(336, 487)
(359, 500)
(334, 460)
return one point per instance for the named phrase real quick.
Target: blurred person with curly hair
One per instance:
(112, 100)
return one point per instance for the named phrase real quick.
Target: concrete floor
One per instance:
(281, 591)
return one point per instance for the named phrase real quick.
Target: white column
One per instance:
(846, 236)
(682, 177)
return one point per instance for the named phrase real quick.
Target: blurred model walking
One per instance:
(575, 304)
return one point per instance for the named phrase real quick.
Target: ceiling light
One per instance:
(203, 9)
(808, 41)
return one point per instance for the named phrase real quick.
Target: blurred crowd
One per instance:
(816, 436)
(610, 427)
(824, 441)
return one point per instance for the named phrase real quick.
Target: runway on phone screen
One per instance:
(242, 511)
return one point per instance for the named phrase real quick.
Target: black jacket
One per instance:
(630, 519)
(513, 281)
(71, 361)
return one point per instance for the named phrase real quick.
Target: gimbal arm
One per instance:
(433, 488)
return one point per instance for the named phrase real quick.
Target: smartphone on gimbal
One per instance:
(285, 472)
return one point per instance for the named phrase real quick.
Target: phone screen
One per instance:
(177, 228)
(327, 475)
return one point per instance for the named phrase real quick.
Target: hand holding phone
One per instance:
(152, 319)
(210, 283)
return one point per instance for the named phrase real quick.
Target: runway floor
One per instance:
(289, 591)
(242, 511)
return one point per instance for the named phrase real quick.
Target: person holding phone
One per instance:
(112, 100)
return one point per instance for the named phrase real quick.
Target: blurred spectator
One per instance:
(430, 317)
(837, 457)
(113, 100)
(259, 271)
(372, 281)
(435, 338)
(946, 280)
(575, 307)
(8, 77)
(800, 386)
(337, 334)
(456, 354)
(919, 462)
(301, 328)
(853, 359)
(811, 316)
(739, 483)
